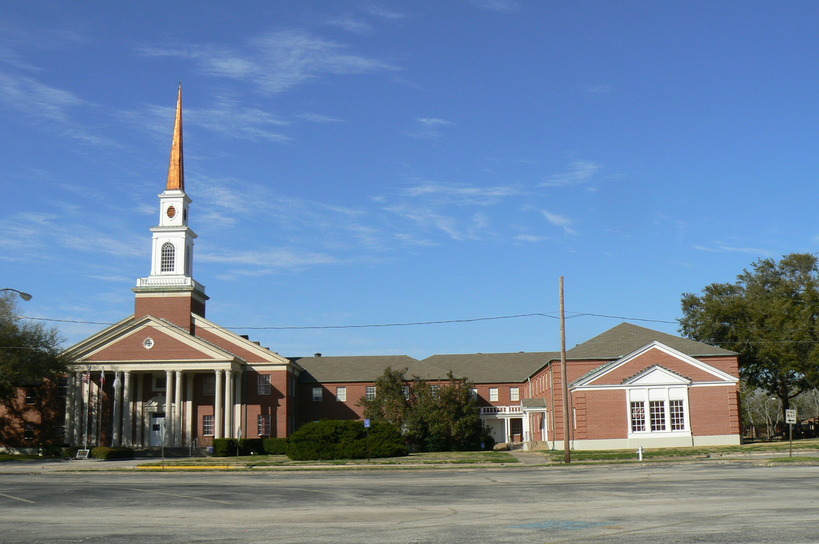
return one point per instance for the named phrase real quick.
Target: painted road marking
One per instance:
(17, 498)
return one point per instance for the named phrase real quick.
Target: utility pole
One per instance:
(564, 378)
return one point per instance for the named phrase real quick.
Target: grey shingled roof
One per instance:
(366, 368)
(626, 338)
(492, 367)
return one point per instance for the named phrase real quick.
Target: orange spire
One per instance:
(176, 171)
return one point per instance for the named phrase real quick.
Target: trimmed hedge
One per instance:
(104, 452)
(275, 446)
(225, 447)
(332, 439)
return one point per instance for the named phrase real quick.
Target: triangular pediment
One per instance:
(657, 375)
(144, 340)
(654, 363)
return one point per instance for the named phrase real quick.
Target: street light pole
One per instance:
(23, 295)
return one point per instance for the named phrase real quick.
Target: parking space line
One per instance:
(178, 496)
(17, 498)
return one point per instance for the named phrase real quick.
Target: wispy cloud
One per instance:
(719, 247)
(276, 62)
(560, 221)
(463, 194)
(578, 173)
(429, 127)
(317, 118)
(497, 5)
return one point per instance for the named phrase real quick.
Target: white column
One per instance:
(228, 403)
(237, 406)
(218, 411)
(189, 406)
(177, 423)
(68, 431)
(78, 426)
(169, 430)
(507, 429)
(117, 412)
(127, 410)
(139, 417)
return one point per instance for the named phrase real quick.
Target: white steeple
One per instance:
(172, 245)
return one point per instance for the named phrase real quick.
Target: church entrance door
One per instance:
(157, 428)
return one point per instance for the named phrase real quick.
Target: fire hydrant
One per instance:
(640, 451)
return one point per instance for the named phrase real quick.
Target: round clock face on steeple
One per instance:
(171, 212)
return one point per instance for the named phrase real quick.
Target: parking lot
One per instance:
(708, 502)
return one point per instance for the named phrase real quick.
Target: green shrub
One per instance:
(332, 439)
(275, 446)
(250, 446)
(223, 447)
(104, 452)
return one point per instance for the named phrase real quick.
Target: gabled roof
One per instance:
(492, 367)
(626, 338)
(366, 368)
(602, 370)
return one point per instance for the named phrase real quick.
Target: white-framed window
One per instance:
(209, 385)
(264, 425)
(434, 390)
(514, 394)
(263, 386)
(473, 394)
(369, 392)
(159, 382)
(341, 394)
(658, 410)
(207, 425)
(28, 431)
(62, 386)
(406, 391)
(493, 394)
(318, 394)
(167, 257)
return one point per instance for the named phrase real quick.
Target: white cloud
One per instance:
(429, 127)
(560, 221)
(497, 5)
(276, 62)
(719, 247)
(579, 172)
(317, 118)
(463, 194)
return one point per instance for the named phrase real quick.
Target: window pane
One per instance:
(493, 394)
(657, 414)
(207, 425)
(264, 387)
(209, 385)
(370, 392)
(264, 425)
(677, 412)
(317, 394)
(341, 394)
(638, 417)
(514, 394)
(167, 258)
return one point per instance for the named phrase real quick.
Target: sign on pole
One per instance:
(790, 416)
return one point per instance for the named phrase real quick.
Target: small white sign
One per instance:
(790, 416)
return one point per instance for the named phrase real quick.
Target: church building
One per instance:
(166, 375)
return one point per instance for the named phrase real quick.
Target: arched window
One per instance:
(168, 253)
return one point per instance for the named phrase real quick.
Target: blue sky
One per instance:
(374, 162)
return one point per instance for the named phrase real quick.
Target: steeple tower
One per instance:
(170, 291)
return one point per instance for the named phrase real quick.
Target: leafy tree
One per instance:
(29, 352)
(770, 316)
(441, 417)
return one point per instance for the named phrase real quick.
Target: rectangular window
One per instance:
(406, 391)
(209, 386)
(514, 394)
(473, 394)
(341, 394)
(207, 425)
(59, 431)
(31, 396)
(317, 394)
(264, 424)
(434, 390)
(677, 412)
(656, 412)
(638, 417)
(62, 386)
(369, 392)
(493, 394)
(28, 433)
(263, 385)
(159, 383)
